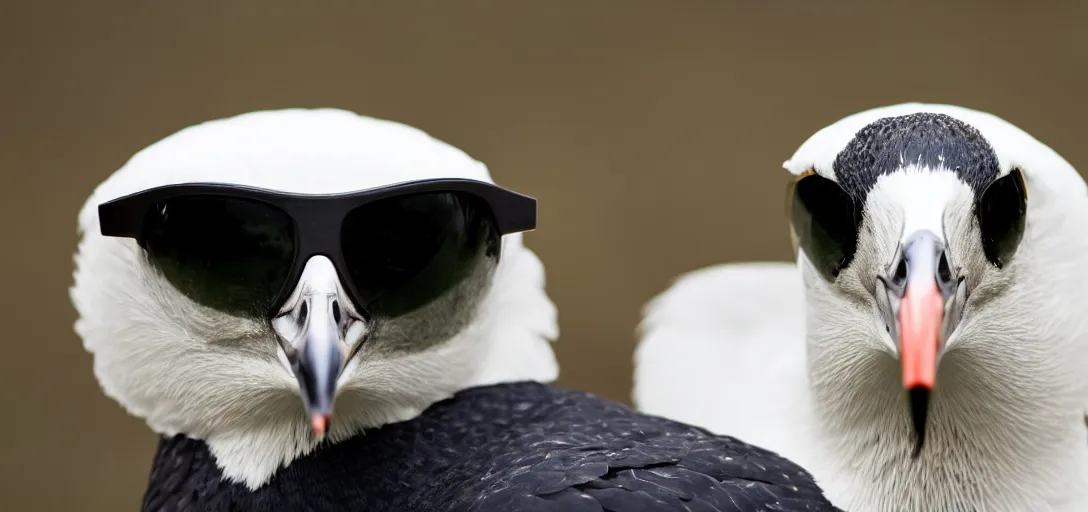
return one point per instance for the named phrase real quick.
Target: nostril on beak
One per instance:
(944, 273)
(336, 311)
(899, 278)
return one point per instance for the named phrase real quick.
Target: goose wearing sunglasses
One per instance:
(927, 350)
(321, 311)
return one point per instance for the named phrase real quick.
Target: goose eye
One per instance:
(825, 221)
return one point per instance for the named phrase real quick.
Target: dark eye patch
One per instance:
(1001, 212)
(825, 220)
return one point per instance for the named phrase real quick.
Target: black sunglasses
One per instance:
(241, 249)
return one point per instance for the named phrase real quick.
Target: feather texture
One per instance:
(511, 448)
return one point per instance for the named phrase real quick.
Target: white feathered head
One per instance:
(187, 365)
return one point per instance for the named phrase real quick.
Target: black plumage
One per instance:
(937, 141)
(504, 448)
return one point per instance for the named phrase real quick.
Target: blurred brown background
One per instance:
(652, 133)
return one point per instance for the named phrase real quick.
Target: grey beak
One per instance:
(320, 357)
(922, 302)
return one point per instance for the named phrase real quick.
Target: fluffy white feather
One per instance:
(724, 348)
(785, 360)
(187, 369)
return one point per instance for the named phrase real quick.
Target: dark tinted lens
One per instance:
(403, 252)
(226, 253)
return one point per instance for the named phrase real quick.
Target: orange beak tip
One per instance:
(320, 424)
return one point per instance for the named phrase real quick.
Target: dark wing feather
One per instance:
(597, 455)
(508, 448)
(183, 479)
